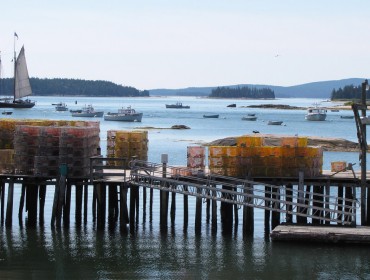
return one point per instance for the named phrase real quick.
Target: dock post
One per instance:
(67, 205)
(300, 199)
(31, 204)
(42, 195)
(208, 207)
(340, 205)
(9, 205)
(21, 205)
(289, 200)
(151, 205)
(101, 205)
(327, 194)
(198, 212)
(2, 199)
(164, 195)
(173, 208)
(248, 211)
(124, 219)
(214, 211)
(186, 208)
(86, 190)
(78, 209)
(112, 204)
(226, 214)
(315, 203)
(275, 215)
(267, 210)
(144, 205)
(236, 214)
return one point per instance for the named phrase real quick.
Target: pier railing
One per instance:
(244, 192)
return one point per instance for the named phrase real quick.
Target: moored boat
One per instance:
(125, 115)
(231, 105)
(22, 86)
(347, 117)
(211, 116)
(61, 107)
(7, 112)
(249, 118)
(316, 113)
(275, 123)
(87, 112)
(177, 105)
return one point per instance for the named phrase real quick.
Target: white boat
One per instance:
(87, 112)
(22, 87)
(275, 123)
(249, 118)
(60, 107)
(211, 116)
(316, 113)
(124, 115)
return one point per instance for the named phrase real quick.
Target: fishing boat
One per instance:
(22, 87)
(211, 116)
(60, 107)
(177, 105)
(125, 115)
(249, 118)
(7, 112)
(347, 117)
(275, 123)
(316, 113)
(87, 111)
(231, 105)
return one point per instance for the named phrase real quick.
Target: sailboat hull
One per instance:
(17, 104)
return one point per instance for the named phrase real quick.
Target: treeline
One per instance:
(348, 92)
(242, 92)
(75, 87)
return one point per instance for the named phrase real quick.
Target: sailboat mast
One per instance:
(15, 67)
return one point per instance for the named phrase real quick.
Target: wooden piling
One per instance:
(124, 219)
(32, 192)
(101, 205)
(226, 214)
(198, 212)
(340, 204)
(112, 203)
(275, 215)
(173, 208)
(214, 211)
(67, 205)
(2, 199)
(9, 205)
(315, 203)
(42, 195)
(21, 205)
(78, 206)
(267, 210)
(86, 195)
(248, 211)
(186, 208)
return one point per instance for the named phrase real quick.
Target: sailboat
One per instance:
(22, 86)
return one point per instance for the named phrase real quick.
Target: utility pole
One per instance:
(363, 155)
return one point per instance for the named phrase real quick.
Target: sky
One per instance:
(174, 44)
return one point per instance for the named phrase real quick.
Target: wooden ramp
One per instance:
(323, 234)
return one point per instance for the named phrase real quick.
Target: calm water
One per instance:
(84, 253)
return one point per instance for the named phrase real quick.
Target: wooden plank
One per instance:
(321, 234)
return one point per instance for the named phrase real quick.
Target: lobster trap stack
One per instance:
(127, 145)
(40, 147)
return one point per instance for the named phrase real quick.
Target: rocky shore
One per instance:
(328, 144)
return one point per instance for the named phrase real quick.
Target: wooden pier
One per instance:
(116, 199)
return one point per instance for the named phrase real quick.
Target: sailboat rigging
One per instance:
(22, 87)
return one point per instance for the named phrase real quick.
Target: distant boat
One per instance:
(231, 105)
(124, 115)
(7, 112)
(347, 117)
(275, 123)
(249, 118)
(177, 105)
(22, 86)
(88, 111)
(211, 116)
(316, 113)
(60, 107)
(334, 110)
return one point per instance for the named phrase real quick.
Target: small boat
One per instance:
(231, 105)
(250, 114)
(249, 118)
(347, 117)
(178, 105)
(316, 113)
(275, 123)
(60, 107)
(334, 110)
(87, 111)
(124, 115)
(7, 112)
(22, 86)
(211, 116)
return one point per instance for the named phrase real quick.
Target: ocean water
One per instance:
(178, 253)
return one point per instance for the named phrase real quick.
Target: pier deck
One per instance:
(323, 234)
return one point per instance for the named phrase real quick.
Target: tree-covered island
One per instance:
(74, 87)
(242, 92)
(349, 92)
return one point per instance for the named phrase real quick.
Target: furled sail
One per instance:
(22, 81)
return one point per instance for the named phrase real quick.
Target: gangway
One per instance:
(244, 192)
